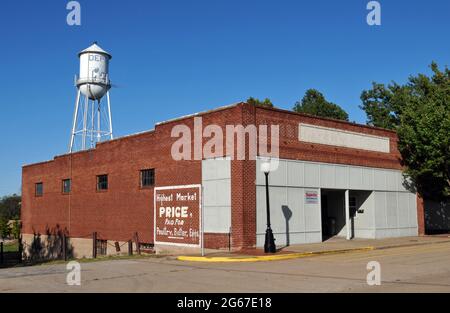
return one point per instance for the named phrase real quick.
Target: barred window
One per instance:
(148, 178)
(39, 189)
(66, 186)
(102, 182)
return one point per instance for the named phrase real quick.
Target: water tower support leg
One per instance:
(92, 124)
(110, 116)
(86, 108)
(75, 117)
(99, 129)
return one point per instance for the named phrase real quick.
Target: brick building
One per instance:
(333, 179)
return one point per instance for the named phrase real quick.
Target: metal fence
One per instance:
(11, 254)
(59, 247)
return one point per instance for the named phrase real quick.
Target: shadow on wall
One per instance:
(437, 217)
(287, 216)
(49, 248)
(408, 185)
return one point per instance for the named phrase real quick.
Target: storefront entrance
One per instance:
(333, 213)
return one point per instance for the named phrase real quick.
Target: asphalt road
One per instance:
(405, 269)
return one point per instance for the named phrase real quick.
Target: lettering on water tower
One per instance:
(178, 215)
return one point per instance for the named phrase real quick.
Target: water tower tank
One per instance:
(94, 72)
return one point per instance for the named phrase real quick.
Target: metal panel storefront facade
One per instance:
(386, 208)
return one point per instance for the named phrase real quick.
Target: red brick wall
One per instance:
(126, 208)
(217, 241)
(292, 148)
(117, 213)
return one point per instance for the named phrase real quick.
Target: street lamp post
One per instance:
(269, 245)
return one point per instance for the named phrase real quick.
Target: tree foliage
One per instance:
(314, 103)
(16, 229)
(265, 103)
(10, 207)
(379, 108)
(420, 113)
(5, 231)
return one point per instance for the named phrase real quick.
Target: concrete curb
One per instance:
(268, 258)
(412, 245)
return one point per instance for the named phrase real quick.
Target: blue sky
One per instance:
(172, 58)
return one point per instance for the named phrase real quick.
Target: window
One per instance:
(102, 182)
(39, 189)
(66, 186)
(148, 178)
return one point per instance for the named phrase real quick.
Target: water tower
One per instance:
(92, 121)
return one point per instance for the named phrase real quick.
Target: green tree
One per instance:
(10, 207)
(5, 231)
(314, 103)
(377, 103)
(266, 103)
(15, 229)
(420, 113)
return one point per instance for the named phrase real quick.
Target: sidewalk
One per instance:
(341, 243)
(332, 246)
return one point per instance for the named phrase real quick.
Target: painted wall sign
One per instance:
(311, 197)
(178, 215)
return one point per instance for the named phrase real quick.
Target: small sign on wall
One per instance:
(311, 197)
(178, 215)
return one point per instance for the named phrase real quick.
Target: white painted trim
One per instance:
(359, 140)
(343, 131)
(200, 216)
(202, 223)
(320, 206)
(348, 221)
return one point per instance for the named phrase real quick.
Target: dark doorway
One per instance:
(333, 213)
